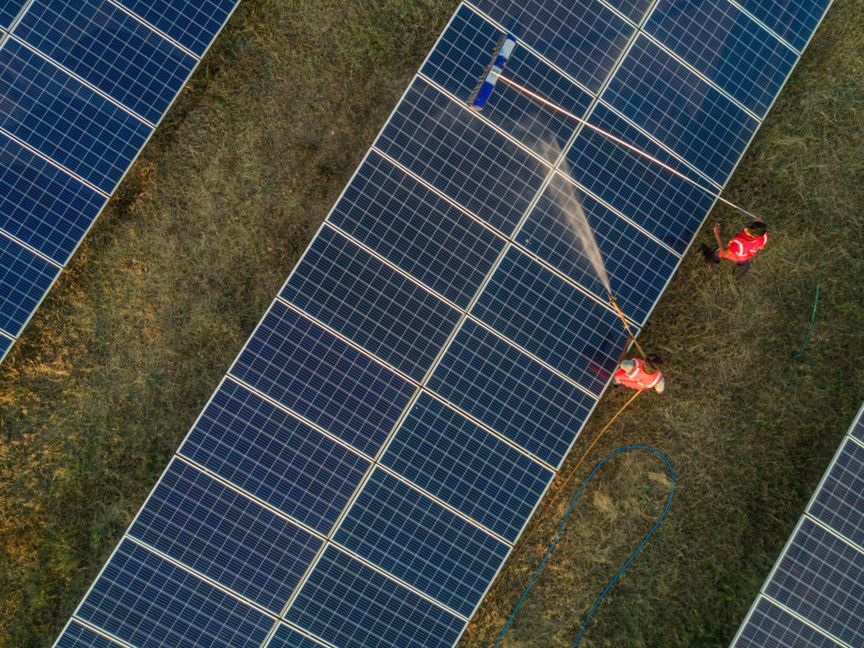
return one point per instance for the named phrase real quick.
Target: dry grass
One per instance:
(121, 357)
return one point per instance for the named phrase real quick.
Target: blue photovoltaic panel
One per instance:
(454, 151)
(352, 606)
(821, 577)
(8, 10)
(367, 301)
(226, 536)
(553, 320)
(667, 206)
(839, 503)
(64, 119)
(79, 636)
(582, 38)
(285, 637)
(5, 343)
(420, 542)
(109, 49)
(254, 445)
(727, 46)
(633, 9)
(25, 277)
(460, 58)
(511, 393)
(417, 230)
(322, 378)
(192, 23)
(41, 205)
(770, 626)
(638, 267)
(681, 110)
(793, 20)
(147, 601)
(465, 466)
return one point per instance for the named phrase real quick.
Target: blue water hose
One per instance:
(563, 523)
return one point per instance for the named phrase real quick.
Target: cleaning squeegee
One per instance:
(496, 66)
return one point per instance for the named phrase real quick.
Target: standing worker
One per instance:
(743, 246)
(639, 374)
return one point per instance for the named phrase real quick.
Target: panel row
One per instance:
(81, 86)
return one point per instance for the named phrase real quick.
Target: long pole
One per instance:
(618, 140)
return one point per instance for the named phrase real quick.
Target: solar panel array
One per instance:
(814, 595)
(363, 471)
(82, 87)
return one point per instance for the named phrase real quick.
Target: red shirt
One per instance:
(743, 246)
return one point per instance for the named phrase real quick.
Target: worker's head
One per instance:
(653, 362)
(756, 228)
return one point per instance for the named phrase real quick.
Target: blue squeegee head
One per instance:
(486, 85)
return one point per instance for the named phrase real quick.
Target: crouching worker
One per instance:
(641, 374)
(741, 248)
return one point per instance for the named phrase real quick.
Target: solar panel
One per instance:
(391, 424)
(82, 86)
(815, 592)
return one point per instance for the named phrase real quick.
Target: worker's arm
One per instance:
(626, 348)
(660, 386)
(716, 230)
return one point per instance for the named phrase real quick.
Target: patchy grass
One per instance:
(124, 352)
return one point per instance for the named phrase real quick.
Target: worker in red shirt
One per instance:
(741, 248)
(640, 375)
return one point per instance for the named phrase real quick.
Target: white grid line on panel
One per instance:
(767, 28)
(804, 620)
(59, 167)
(155, 30)
(95, 629)
(528, 47)
(553, 168)
(30, 248)
(84, 82)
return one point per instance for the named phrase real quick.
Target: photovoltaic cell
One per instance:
(417, 230)
(41, 205)
(681, 110)
(256, 446)
(322, 378)
(857, 430)
(8, 10)
(147, 601)
(772, 627)
(420, 542)
(553, 320)
(582, 38)
(109, 49)
(24, 278)
(727, 46)
(511, 393)
(192, 23)
(352, 606)
(348, 289)
(285, 637)
(633, 9)
(226, 536)
(793, 21)
(459, 60)
(638, 267)
(467, 160)
(62, 118)
(79, 636)
(5, 343)
(839, 503)
(821, 577)
(465, 466)
(665, 205)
